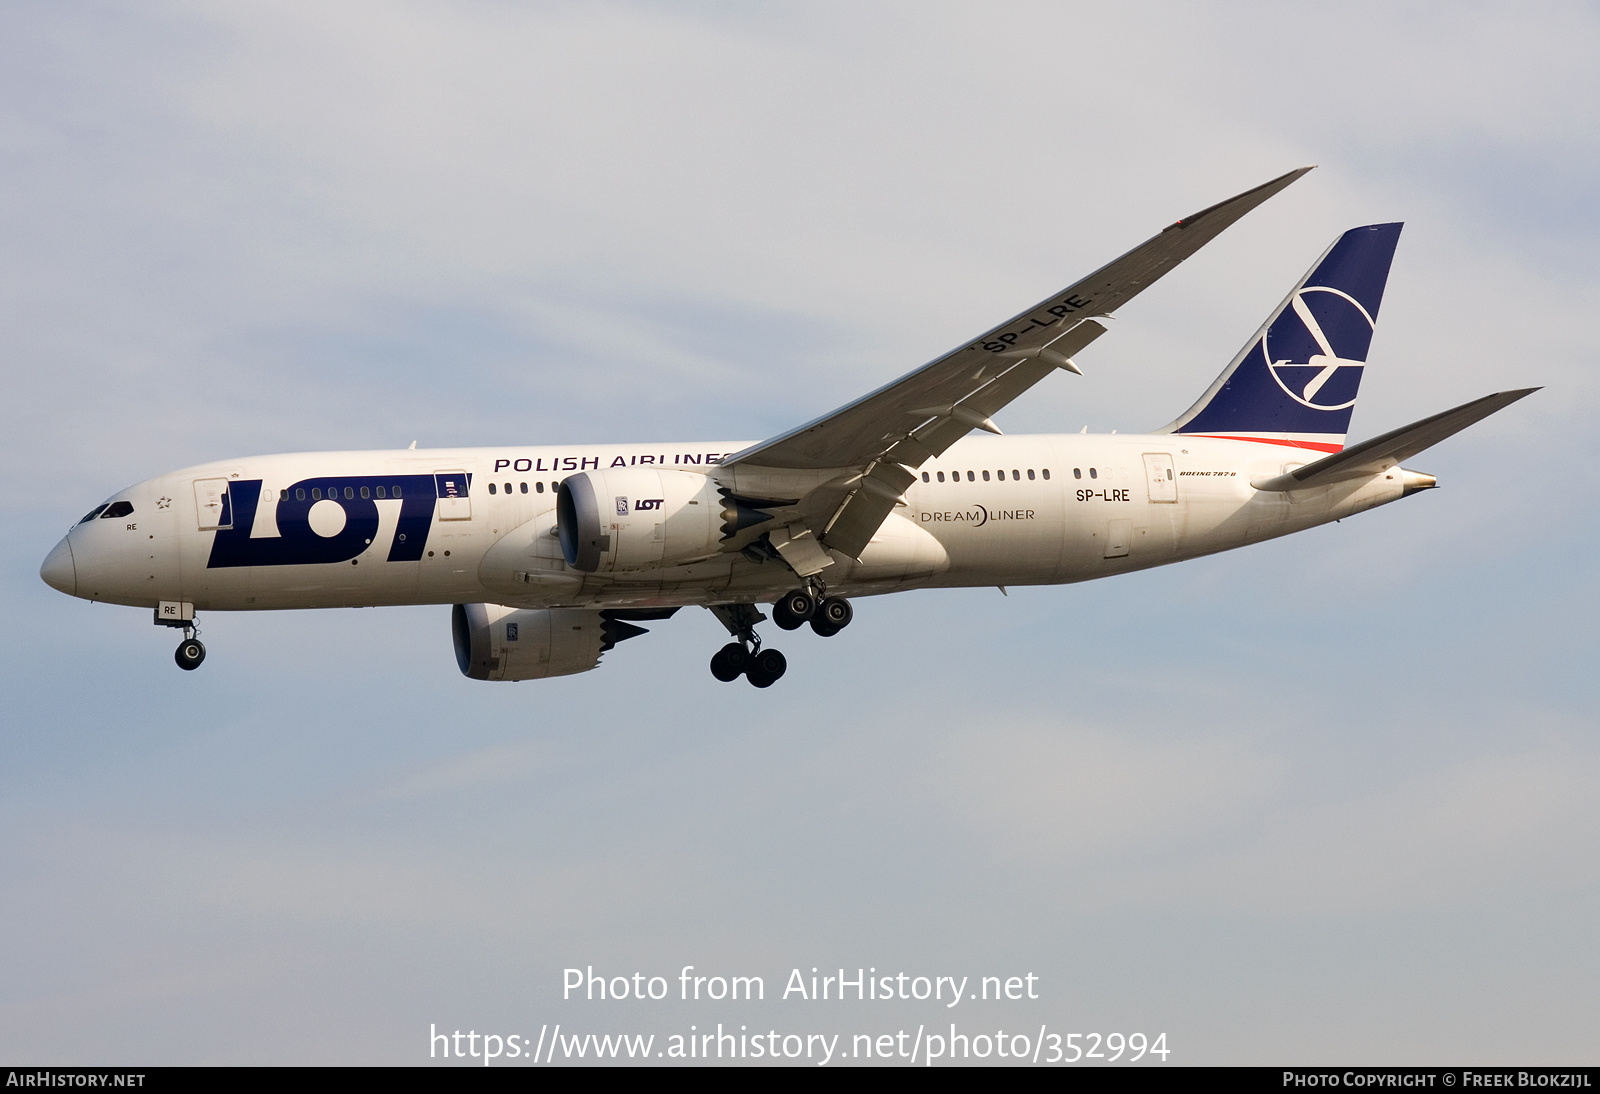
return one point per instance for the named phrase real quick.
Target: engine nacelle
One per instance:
(640, 518)
(494, 642)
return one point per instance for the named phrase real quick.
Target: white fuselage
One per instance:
(1019, 510)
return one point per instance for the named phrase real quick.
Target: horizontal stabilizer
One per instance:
(1381, 453)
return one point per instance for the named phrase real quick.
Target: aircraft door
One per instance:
(1159, 476)
(213, 507)
(454, 500)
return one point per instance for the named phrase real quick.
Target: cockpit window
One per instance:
(91, 514)
(117, 509)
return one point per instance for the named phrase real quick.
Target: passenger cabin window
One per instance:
(1016, 475)
(941, 476)
(117, 509)
(1077, 472)
(300, 494)
(316, 493)
(1046, 473)
(349, 492)
(538, 487)
(365, 492)
(491, 488)
(1030, 474)
(925, 477)
(971, 477)
(1093, 474)
(394, 491)
(986, 476)
(380, 491)
(524, 487)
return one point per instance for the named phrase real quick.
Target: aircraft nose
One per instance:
(58, 570)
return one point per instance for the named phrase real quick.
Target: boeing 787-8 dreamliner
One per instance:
(552, 554)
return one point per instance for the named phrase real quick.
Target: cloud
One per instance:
(1313, 772)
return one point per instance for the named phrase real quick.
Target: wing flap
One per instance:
(873, 497)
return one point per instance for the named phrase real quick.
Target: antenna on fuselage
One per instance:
(411, 446)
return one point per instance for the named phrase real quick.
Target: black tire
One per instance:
(835, 612)
(730, 662)
(783, 617)
(822, 626)
(191, 651)
(798, 603)
(767, 668)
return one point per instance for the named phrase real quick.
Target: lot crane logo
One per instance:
(1310, 371)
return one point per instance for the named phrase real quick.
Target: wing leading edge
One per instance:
(876, 442)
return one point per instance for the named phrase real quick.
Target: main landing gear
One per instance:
(828, 615)
(744, 656)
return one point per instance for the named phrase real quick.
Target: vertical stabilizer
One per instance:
(1295, 382)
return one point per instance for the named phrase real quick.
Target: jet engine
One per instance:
(642, 518)
(494, 642)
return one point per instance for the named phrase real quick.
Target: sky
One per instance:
(1327, 799)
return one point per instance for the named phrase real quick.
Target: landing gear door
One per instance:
(1160, 477)
(454, 501)
(212, 505)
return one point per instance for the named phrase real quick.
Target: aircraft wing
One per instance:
(877, 441)
(1386, 451)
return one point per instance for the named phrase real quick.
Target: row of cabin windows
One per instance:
(538, 487)
(349, 492)
(972, 476)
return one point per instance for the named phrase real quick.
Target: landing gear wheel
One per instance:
(794, 609)
(766, 668)
(191, 651)
(730, 662)
(832, 616)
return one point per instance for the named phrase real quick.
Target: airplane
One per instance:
(552, 554)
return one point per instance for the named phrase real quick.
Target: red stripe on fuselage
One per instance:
(1315, 446)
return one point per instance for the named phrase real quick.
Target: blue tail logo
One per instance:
(1296, 381)
(1317, 376)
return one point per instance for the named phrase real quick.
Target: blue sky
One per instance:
(1325, 799)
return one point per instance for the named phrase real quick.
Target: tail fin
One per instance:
(1295, 382)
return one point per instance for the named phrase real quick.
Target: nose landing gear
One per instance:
(191, 651)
